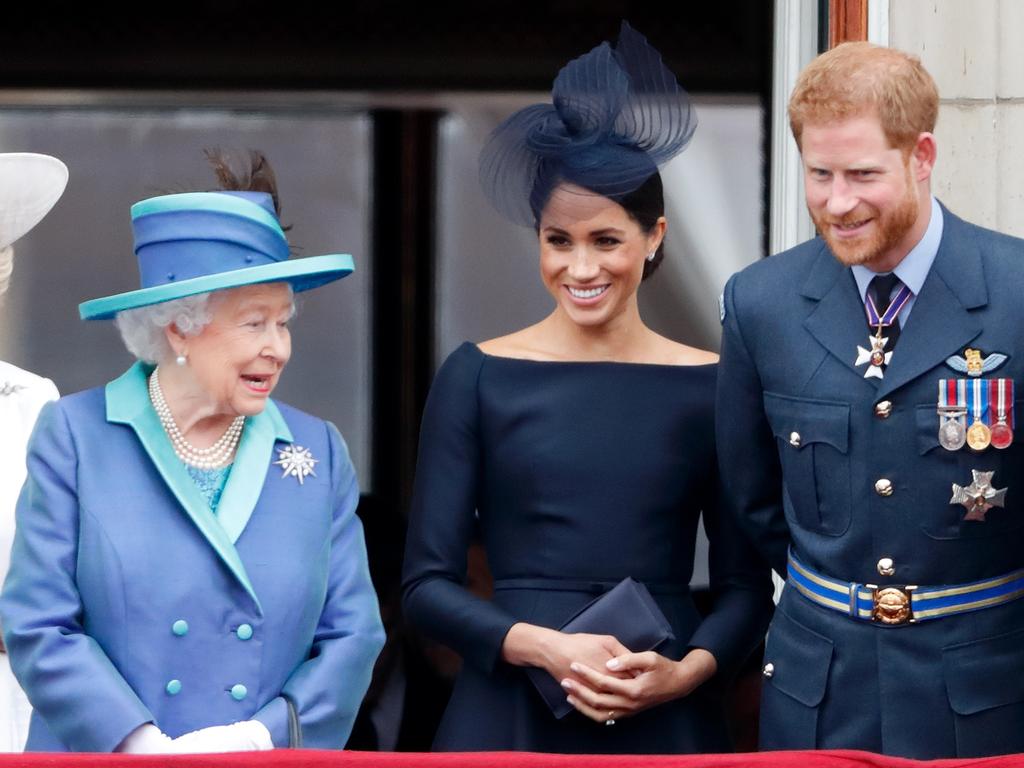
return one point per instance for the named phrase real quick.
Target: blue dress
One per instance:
(579, 474)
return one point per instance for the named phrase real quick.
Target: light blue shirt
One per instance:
(915, 265)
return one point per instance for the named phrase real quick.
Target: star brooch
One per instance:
(296, 461)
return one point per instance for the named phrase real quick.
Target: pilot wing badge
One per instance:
(973, 364)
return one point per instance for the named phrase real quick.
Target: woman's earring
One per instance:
(180, 360)
(651, 255)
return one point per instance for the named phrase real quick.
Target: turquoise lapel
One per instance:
(252, 462)
(127, 401)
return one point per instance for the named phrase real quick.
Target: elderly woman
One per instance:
(188, 572)
(30, 185)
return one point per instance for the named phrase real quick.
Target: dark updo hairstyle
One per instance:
(645, 205)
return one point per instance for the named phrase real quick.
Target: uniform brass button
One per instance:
(794, 439)
(886, 567)
(173, 688)
(883, 410)
(244, 631)
(769, 669)
(180, 628)
(883, 487)
(239, 692)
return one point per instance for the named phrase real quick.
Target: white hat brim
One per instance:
(30, 185)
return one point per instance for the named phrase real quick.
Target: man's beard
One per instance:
(887, 231)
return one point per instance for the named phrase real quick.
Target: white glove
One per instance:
(147, 739)
(243, 736)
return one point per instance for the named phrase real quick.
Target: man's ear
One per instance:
(924, 154)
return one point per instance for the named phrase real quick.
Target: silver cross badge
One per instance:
(978, 497)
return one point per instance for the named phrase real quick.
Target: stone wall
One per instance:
(973, 51)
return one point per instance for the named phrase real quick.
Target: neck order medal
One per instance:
(876, 357)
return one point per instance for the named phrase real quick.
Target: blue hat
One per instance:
(616, 115)
(206, 241)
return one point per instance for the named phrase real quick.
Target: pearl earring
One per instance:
(651, 255)
(180, 360)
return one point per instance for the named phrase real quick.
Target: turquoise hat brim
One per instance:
(303, 274)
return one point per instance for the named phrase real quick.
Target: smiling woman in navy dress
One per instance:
(583, 447)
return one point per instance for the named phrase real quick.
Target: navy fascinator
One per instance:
(616, 115)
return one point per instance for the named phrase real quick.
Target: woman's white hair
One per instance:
(6, 267)
(142, 329)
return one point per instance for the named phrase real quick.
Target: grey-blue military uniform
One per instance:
(848, 474)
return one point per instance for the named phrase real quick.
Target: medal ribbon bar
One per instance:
(1001, 401)
(979, 435)
(1001, 397)
(977, 401)
(952, 410)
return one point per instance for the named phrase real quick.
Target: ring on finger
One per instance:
(611, 718)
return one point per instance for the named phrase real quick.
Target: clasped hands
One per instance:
(602, 678)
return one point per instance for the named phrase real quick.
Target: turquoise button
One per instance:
(239, 692)
(244, 632)
(174, 687)
(180, 628)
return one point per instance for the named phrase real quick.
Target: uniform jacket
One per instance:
(129, 602)
(805, 444)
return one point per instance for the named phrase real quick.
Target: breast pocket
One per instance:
(939, 518)
(813, 442)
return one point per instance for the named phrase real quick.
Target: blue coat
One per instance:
(792, 324)
(129, 602)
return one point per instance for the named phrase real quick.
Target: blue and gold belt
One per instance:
(907, 604)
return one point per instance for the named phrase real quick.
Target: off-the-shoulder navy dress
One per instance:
(581, 474)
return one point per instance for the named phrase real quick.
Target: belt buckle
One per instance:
(890, 605)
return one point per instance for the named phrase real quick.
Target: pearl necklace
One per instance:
(217, 455)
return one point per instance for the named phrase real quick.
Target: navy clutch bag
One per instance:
(626, 611)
